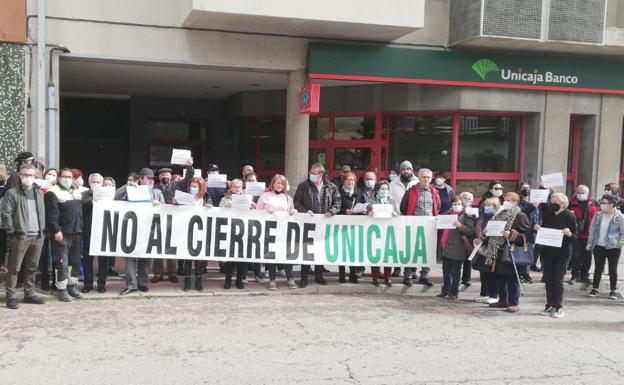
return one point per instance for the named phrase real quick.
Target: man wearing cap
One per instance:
(316, 195)
(137, 269)
(14, 179)
(404, 182)
(168, 189)
(23, 217)
(339, 180)
(63, 212)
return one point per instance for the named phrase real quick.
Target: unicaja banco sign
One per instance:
(483, 67)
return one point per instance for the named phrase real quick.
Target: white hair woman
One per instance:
(555, 259)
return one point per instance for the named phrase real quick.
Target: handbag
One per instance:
(521, 255)
(479, 263)
(468, 246)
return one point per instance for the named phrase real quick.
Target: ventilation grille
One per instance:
(465, 19)
(512, 18)
(577, 20)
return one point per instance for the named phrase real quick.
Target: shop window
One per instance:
(488, 144)
(318, 155)
(424, 140)
(319, 129)
(247, 143)
(272, 141)
(358, 158)
(354, 127)
(165, 135)
(479, 187)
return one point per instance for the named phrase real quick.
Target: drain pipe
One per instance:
(41, 81)
(51, 148)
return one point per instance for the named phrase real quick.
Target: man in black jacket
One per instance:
(316, 195)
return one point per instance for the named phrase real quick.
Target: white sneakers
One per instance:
(548, 312)
(558, 313)
(487, 300)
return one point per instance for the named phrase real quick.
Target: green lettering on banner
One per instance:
(348, 243)
(390, 249)
(420, 247)
(372, 258)
(361, 244)
(331, 255)
(404, 255)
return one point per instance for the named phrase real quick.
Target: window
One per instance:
(479, 187)
(319, 129)
(424, 140)
(488, 144)
(358, 158)
(164, 135)
(354, 127)
(272, 141)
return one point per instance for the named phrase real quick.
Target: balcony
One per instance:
(372, 20)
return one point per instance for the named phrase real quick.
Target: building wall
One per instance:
(12, 118)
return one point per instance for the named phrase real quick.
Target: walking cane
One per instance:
(513, 260)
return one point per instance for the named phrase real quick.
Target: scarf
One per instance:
(445, 232)
(495, 243)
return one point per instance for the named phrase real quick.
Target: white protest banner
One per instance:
(539, 195)
(241, 201)
(139, 193)
(553, 180)
(129, 229)
(495, 228)
(43, 183)
(473, 211)
(549, 237)
(446, 221)
(183, 198)
(180, 156)
(197, 173)
(103, 193)
(216, 180)
(382, 211)
(255, 188)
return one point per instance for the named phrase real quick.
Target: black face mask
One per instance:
(524, 192)
(554, 207)
(165, 181)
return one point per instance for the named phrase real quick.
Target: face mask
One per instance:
(466, 203)
(66, 182)
(194, 190)
(457, 207)
(488, 210)
(497, 193)
(369, 183)
(440, 181)
(555, 207)
(507, 205)
(581, 197)
(28, 181)
(165, 180)
(383, 194)
(524, 192)
(130, 183)
(392, 177)
(50, 177)
(95, 185)
(314, 178)
(604, 207)
(80, 182)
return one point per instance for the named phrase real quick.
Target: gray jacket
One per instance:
(454, 248)
(615, 234)
(15, 211)
(304, 195)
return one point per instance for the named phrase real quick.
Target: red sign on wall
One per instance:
(309, 98)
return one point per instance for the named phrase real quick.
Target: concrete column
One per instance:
(556, 134)
(609, 143)
(297, 132)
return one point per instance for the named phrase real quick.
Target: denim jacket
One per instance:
(615, 234)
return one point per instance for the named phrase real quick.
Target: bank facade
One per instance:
(483, 90)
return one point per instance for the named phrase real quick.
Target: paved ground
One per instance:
(294, 337)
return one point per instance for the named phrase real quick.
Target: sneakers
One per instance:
(490, 300)
(34, 299)
(558, 313)
(441, 295)
(73, 291)
(481, 299)
(612, 295)
(261, 279)
(408, 282)
(64, 296)
(272, 285)
(291, 284)
(548, 311)
(512, 309)
(157, 278)
(594, 292)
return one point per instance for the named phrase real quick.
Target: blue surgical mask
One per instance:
(604, 207)
(66, 182)
(392, 177)
(369, 183)
(314, 178)
(80, 182)
(194, 190)
(488, 210)
(383, 194)
(581, 197)
(458, 207)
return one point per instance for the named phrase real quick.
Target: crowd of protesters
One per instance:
(46, 229)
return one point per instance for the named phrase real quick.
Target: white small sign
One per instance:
(180, 156)
(43, 183)
(495, 228)
(446, 221)
(197, 173)
(549, 237)
(474, 251)
(183, 198)
(104, 193)
(138, 193)
(241, 201)
(553, 180)
(539, 196)
(255, 188)
(473, 211)
(359, 208)
(217, 180)
(382, 211)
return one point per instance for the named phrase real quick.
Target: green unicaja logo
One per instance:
(482, 67)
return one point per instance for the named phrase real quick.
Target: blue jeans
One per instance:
(287, 268)
(508, 289)
(424, 272)
(451, 270)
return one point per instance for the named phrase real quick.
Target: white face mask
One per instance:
(50, 177)
(497, 193)
(507, 205)
(28, 181)
(66, 182)
(457, 207)
(314, 178)
(440, 181)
